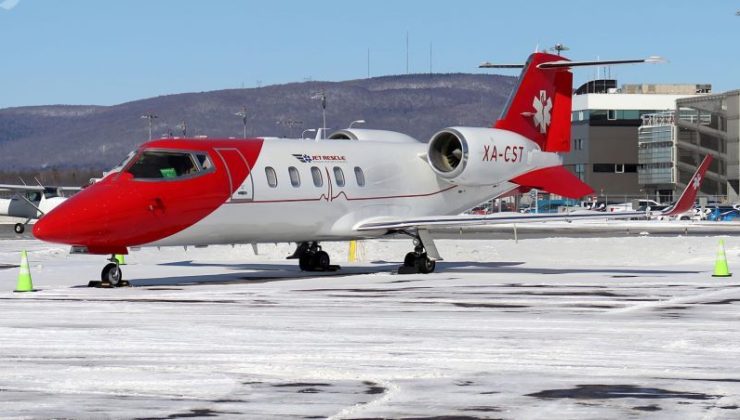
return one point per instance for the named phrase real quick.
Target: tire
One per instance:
(424, 265)
(111, 274)
(321, 261)
(305, 262)
(19, 228)
(410, 259)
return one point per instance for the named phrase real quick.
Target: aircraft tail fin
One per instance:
(688, 196)
(540, 106)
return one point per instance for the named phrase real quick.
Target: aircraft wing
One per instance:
(39, 188)
(491, 219)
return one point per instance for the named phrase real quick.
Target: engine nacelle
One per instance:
(477, 156)
(365, 134)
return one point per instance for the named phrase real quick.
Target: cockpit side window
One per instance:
(152, 164)
(204, 161)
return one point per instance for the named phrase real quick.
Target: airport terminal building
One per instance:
(671, 145)
(604, 131)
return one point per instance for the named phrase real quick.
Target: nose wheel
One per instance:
(111, 276)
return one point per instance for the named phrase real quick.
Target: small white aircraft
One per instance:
(31, 202)
(357, 184)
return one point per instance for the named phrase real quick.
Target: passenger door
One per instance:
(238, 169)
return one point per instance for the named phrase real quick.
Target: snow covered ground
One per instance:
(543, 328)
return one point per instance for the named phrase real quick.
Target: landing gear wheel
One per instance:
(305, 262)
(424, 264)
(112, 275)
(321, 261)
(19, 228)
(410, 259)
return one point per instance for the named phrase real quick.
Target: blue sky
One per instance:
(109, 52)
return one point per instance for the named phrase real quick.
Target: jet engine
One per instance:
(476, 156)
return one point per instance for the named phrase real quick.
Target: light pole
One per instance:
(183, 126)
(243, 114)
(356, 122)
(149, 117)
(322, 96)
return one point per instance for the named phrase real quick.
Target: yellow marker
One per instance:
(720, 266)
(352, 251)
(24, 275)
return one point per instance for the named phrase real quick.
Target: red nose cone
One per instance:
(50, 228)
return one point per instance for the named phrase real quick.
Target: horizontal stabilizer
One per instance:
(555, 180)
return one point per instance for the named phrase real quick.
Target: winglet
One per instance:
(688, 196)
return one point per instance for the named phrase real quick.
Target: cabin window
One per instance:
(295, 176)
(339, 176)
(360, 176)
(271, 176)
(152, 164)
(318, 180)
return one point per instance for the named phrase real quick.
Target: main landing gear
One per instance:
(312, 258)
(423, 259)
(111, 276)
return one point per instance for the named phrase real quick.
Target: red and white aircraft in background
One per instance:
(356, 184)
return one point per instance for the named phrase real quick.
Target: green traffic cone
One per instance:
(720, 267)
(24, 275)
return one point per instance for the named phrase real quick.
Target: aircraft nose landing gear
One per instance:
(111, 276)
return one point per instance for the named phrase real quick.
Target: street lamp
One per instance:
(149, 117)
(183, 126)
(322, 96)
(356, 122)
(243, 114)
(308, 130)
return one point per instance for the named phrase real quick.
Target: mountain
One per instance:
(70, 137)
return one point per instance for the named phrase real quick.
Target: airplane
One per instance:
(355, 184)
(30, 202)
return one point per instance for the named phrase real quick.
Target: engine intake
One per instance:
(448, 153)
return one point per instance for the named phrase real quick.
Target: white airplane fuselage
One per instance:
(398, 183)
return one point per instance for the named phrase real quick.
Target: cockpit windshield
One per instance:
(158, 164)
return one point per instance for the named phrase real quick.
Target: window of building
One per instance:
(271, 176)
(339, 176)
(619, 168)
(630, 168)
(577, 144)
(295, 176)
(611, 114)
(318, 180)
(360, 176)
(163, 164)
(604, 167)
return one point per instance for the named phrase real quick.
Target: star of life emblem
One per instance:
(696, 182)
(542, 107)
